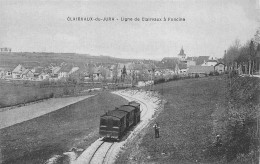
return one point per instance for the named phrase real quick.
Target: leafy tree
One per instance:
(123, 75)
(103, 73)
(238, 55)
(257, 36)
(232, 54)
(90, 70)
(252, 55)
(115, 73)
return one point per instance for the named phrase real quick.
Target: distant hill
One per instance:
(31, 59)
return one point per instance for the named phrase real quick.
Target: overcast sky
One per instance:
(209, 28)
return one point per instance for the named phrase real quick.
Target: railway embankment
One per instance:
(150, 102)
(205, 120)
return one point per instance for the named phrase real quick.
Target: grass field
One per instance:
(36, 140)
(186, 123)
(15, 93)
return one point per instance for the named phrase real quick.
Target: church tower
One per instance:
(182, 55)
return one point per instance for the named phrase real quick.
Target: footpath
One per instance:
(21, 114)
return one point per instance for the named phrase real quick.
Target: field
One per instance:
(186, 123)
(20, 92)
(37, 140)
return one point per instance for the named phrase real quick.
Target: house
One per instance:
(27, 74)
(8, 73)
(55, 71)
(210, 63)
(2, 73)
(201, 59)
(5, 49)
(191, 63)
(220, 68)
(168, 62)
(180, 68)
(74, 69)
(17, 72)
(183, 71)
(100, 73)
(157, 73)
(201, 70)
(37, 71)
(43, 76)
(64, 71)
(96, 73)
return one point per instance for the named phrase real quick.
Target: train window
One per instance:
(102, 122)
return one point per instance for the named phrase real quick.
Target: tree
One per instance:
(103, 73)
(241, 56)
(257, 36)
(123, 75)
(133, 77)
(232, 54)
(115, 73)
(258, 57)
(252, 55)
(90, 70)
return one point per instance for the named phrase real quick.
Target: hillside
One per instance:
(31, 59)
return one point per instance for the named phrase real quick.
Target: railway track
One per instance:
(100, 155)
(103, 152)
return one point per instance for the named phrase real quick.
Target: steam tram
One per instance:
(115, 123)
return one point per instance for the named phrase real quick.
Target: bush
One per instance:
(197, 75)
(232, 74)
(158, 81)
(52, 95)
(211, 73)
(238, 123)
(216, 73)
(175, 77)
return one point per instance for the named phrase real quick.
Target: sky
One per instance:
(210, 26)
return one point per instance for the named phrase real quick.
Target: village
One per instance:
(129, 72)
(122, 82)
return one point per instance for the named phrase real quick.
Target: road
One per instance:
(21, 114)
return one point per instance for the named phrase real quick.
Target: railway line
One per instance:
(103, 152)
(100, 155)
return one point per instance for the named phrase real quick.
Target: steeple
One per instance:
(182, 51)
(182, 55)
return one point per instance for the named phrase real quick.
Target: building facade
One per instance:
(5, 49)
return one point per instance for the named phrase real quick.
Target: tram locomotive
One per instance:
(115, 123)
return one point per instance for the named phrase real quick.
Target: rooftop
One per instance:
(200, 69)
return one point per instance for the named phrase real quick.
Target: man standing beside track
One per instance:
(156, 130)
